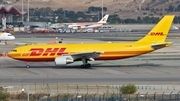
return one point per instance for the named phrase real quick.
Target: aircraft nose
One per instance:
(13, 37)
(13, 54)
(9, 54)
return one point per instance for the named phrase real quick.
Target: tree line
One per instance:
(93, 14)
(114, 19)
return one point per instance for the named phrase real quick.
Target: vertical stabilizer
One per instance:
(160, 31)
(104, 19)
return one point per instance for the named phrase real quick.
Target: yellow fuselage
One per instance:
(109, 51)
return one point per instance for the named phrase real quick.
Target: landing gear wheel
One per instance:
(27, 66)
(86, 66)
(82, 66)
(85, 63)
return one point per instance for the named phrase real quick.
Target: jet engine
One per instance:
(63, 60)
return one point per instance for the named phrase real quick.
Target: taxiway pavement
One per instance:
(134, 70)
(141, 72)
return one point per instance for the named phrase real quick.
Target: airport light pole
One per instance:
(28, 11)
(102, 7)
(22, 11)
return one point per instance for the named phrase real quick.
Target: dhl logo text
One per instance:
(157, 34)
(47, 51)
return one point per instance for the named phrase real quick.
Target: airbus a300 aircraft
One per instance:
(6, 36)
(88, 24)
(63, 54)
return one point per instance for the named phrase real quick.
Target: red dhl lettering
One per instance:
(157, 34)
(50, 51)
(36, 51)
(61, 51)
(46, 52)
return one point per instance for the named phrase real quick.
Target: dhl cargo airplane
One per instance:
(88, 24)
(4, 36)
(63, 54)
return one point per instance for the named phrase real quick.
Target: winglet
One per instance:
(104, 19)
(159, 33)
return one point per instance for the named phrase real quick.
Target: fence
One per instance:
(58, 92)
(103, 97)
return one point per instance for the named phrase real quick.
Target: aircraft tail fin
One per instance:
(104, 19)
(160, 31)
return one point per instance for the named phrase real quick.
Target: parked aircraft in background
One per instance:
(175, 28)
(57, 25)
(39, 30)
(4, 36)
(88, 24)
(63, 54)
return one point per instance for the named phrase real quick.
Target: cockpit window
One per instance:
(14, 50)
(10, 35)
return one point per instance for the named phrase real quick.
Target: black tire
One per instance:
(82, 66)
(27, 66)
(88, 65)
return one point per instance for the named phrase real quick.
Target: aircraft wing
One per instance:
(85, 55)
(70, 58)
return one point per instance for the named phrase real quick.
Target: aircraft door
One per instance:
(24, 51)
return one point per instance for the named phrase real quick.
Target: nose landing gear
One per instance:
(27, 65)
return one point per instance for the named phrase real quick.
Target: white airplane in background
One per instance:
(88, 24)
(175, 28)
(4, 36)
(57, 25)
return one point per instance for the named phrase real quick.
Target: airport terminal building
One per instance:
(10, 16)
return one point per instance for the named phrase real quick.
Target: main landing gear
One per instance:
(85, 63)
(5, 42)
(27, 65)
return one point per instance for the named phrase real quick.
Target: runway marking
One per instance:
(20, 70)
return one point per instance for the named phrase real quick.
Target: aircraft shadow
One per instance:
(53, 67)
(94, 66)
(134, 65)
